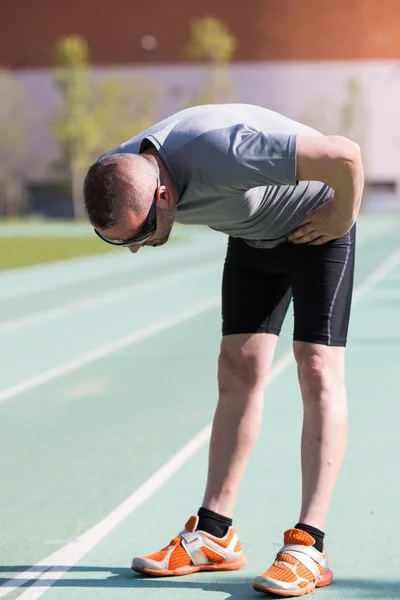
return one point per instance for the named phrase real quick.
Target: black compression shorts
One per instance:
(258, 285)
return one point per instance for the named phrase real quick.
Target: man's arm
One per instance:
(335, 161)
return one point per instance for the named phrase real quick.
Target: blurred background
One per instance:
(109, 360)
(78, 78)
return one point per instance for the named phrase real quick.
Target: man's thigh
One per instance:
(255, 298)
(322, 285)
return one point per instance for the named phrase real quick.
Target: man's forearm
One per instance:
(347, 181)
(335, 161)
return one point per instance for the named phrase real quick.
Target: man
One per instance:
(288, 198)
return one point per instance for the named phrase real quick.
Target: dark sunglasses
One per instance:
(148, 229)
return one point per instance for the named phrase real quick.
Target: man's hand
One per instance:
(320, 226)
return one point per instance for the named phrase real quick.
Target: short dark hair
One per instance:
(115, 183)
(99, 194)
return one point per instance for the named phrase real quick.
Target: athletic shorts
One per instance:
(259, 284)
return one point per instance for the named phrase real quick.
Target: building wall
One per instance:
(294, 56)
(287, 30)
(314, 93)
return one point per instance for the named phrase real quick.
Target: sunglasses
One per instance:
(148, 229)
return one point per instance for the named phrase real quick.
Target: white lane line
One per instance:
(22, 578)
(86, 269)
(104, 298)
(52, 568)
(388, 295)
(68, 555)
(109, 348)
(46, 277)
(376, 276)
(58, 563)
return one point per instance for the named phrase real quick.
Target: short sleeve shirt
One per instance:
(234, 167)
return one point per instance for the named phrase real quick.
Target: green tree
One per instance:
(319, 114)
(95, 114)
(353, 117)
(350, 119)
(213, 45)
(14, 147)
(210, 41)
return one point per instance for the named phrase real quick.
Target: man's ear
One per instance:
(165, 198)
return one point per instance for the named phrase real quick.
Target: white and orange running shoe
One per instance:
(193, 551)
(298, 568)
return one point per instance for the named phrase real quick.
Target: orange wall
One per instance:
(265, 29)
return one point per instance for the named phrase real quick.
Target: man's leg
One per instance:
(244, 365)
(324, 437)
(322, 283)
(322, 301)
(254, 304)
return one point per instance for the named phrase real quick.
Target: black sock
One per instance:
(317, 534)
(213, 523)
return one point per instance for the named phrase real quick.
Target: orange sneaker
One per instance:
(298, 568)
(193, 551)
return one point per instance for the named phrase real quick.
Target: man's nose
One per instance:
(135, 249)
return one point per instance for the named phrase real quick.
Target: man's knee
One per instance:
(243, 363)
(319, 367)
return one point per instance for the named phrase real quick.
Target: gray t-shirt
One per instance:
(234, 166)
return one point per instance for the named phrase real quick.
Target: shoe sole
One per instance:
(325, 580)
(233, 565)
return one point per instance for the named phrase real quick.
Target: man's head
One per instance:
(131, 198)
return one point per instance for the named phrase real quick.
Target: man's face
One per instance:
(131, 224)
(165, 222)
